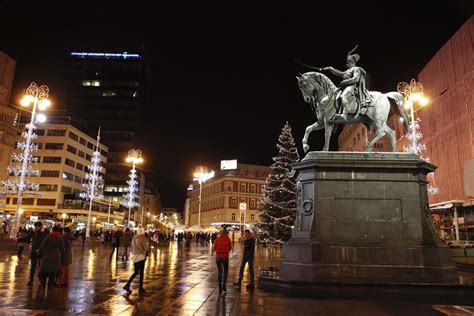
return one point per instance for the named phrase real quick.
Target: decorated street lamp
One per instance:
(134, 157)
(202, 175)
(413, 94)
(63, 217)
(93, 182)
(21, 164)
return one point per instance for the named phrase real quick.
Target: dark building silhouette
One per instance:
(109, 89)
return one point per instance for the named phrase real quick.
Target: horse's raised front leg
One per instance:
(308, 131)
(380, 132)
(327, 136)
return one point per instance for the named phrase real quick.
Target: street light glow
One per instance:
(41, 118)
(423, 101)
(64, 215)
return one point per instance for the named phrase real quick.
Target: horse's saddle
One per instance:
(354, 105)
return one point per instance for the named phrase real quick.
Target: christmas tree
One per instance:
(277, 208)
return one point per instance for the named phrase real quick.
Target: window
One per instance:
(48, 187)
(40, 132)
(242, 217)
(51, 159)
(81, 154)
(71, 149)
(56, 132)
(88, 157)
(50, 202)
(82, 141)
(233, 201)
(28, 201)
(233, 216)
(40, 145)
(252, 217)
(77, 179)
(66, 190)
(228, 186)
(50, 173)
(147, 200)
(79, 166)
(252, 203)
(243, 187)
(69, 162)
(253, 188)
(68, 176)
(54, 146)
(73, 136)
(90, 145)
(7, 201)
(109, 94)
(103, 153)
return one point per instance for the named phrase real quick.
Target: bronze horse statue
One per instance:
(319, 91)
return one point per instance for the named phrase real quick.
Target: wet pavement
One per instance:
(179, 281)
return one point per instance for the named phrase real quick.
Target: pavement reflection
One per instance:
(179, 280)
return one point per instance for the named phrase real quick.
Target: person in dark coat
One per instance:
(36, 237)
(116, 239)
(248, 255)
(68, 238)
(126, 240)
(52, 250)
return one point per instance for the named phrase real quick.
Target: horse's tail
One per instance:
(398, 102)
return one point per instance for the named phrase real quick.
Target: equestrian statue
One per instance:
(350, 103)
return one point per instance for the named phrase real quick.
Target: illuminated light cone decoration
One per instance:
(135, 157)
(277, 208)
(413, 93)
(22, 165)
(94, 182)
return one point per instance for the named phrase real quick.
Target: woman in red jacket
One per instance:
(222, 246)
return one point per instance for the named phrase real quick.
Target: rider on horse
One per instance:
(353, 84)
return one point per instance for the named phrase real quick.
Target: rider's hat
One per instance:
(354, 57)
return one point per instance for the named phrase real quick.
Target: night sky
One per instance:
(223, 72)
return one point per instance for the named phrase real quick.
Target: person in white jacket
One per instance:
(139, 250)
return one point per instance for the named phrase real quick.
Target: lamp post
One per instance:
(202, 175)
(64, 217)
(38, 96)
(134, 157)
(413, 94)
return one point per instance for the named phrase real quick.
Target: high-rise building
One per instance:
(109, 89)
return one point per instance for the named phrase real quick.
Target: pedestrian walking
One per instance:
(83, 236)
(126, 240)
(52, 251)
(68, 238)
(139, 249)
(222, 246)
(247, 257)
(116, 239)
(22, 232)
(34, 237)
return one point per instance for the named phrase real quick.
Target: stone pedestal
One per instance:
(364, 218)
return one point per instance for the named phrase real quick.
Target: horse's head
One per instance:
(314, 86)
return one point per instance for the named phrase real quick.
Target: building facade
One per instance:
(109, 90)
(447, 123)
(232, 196)
(9, 116)
(64, 152)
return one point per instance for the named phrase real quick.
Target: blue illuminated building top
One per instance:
(94, 55)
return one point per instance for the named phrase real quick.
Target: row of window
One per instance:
(242, 217)
(218, 203)
(31, 201)
(232, 186)
(66, 175)
(82, 141)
